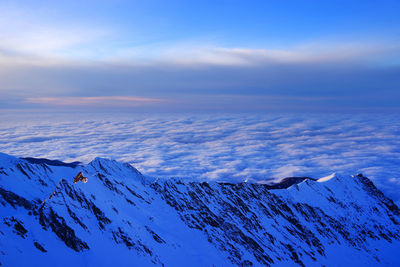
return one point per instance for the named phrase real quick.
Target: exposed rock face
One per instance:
(120, 217)
(80, 178)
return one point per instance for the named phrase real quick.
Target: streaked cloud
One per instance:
(104, 101)
(193, 54)
(319, 86)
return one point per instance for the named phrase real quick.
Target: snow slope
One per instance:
(121, 217)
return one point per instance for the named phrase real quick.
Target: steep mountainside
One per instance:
(122, 218)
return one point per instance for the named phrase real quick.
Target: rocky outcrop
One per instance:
(80, 178)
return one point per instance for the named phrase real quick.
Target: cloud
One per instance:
(192, 54)
(83, 61)
(117, 101)
(260, 148)
(46, 37)
(280, 86)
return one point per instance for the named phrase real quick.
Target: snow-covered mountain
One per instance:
(123, 218)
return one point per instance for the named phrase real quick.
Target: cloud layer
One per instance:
(224, 147)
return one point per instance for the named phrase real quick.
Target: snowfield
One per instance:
(123, 218)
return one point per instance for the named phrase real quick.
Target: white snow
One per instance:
(326, 178)
(112, 187)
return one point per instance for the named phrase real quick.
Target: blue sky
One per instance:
(200, 55)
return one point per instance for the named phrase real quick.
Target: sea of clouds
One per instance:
(221, 147)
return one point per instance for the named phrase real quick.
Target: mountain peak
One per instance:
(100, 159)
(335, 220)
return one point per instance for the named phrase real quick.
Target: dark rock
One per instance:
(48, 218)
(39, 247)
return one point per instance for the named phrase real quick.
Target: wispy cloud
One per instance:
(105, 101)
(43, 38)
(191, 53)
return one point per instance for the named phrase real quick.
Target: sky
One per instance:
(197, 56)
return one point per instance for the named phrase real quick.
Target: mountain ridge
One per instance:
(145, 221)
